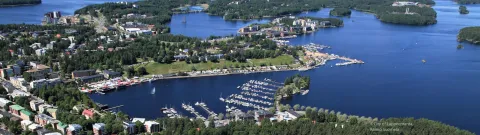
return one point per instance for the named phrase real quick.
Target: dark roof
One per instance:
(294, 113)
(90, 77)
(80, 71)
(109, 72)
(263, 112)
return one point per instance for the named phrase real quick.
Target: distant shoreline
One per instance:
(18, 5)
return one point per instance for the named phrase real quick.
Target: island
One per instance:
(19, 2)
(390, 11)
(468, 1)
(292, 85)
(340, 12)
(463, 10)
(469, 34)
(290, 27)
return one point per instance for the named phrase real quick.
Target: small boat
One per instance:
(424, 61)
(184, 20)
(153, 91)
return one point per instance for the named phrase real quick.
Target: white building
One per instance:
(404, 3)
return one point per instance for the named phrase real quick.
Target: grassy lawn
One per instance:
(182, 66)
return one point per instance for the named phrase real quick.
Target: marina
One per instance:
(255, 94)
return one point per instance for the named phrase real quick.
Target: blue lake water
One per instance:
(34, 14)
(393, 82)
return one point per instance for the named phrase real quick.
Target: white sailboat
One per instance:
(153, 91)
(221, 98)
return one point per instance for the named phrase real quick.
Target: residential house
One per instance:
(73, 129)
(34, 104)
(262, 114)
(18, 81)
(43, 119)
(152, 126)
(25, 124)
(18, 93)
(129, 127)
(43, 107)
(82, 73)
(292, 114)
(26, 114)
(52, 112)
(39, 71)
(62, 127)
(42, 131)
(108, 74)
(88, 113)
(93, 78)
(142, 120)
(40, 52)
(45, 82)
(79, 108)
(33, 127)
(98, 128)
(15, 109)
(4, 102)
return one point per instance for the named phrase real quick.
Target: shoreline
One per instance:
(153, 78)
(18, 5)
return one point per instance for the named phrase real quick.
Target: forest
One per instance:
(468, 1)
(463, 10)
(19, 2)
(470, 34)
(159, 12)
(324, 124)
(246, 10)
(340, 12)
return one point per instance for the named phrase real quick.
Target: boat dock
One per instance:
(190, 109)
(204, 107)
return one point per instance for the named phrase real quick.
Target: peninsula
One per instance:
(470, 34)
(19, 2)
(340, 12)
(390, 11)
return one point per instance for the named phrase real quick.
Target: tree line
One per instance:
(245, 10)
(19, 2)
(340, 12)
(468, 1)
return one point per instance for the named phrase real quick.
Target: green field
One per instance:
(181, 66)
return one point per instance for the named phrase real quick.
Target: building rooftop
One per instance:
(98, 126)
(294, 113)
(16, 107)
(138, 119)
(150, 123)
(38, 67)
(74, 127)
(26, 112)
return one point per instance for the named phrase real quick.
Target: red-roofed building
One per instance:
(88, 113)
